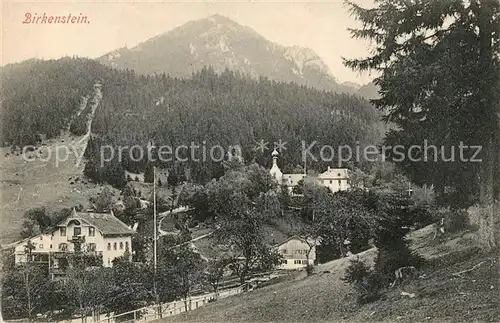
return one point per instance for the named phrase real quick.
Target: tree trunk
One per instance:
(486, 96)
(308, 269)
(244, 270)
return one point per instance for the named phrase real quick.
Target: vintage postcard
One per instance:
(250, 161)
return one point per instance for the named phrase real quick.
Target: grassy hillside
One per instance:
(38, 183)
(439, 296)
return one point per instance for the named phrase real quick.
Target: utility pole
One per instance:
(154, 216)
(155, 264)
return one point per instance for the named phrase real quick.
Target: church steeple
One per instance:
(275, 170)
(275, 157)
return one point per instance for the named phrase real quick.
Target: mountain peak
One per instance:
(220, 19)
(222, 43)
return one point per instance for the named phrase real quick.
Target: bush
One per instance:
(394, 256)
(456, 221)
(356, 272)
(367, 283)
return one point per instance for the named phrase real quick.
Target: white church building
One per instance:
(336, 179)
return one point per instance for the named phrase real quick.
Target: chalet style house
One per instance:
(294, 251)
(87, 233)
(336, 179)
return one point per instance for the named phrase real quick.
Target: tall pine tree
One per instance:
(439, 68)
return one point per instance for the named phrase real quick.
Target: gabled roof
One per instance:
(16, 243)
(106, 223)
(295, 238)
(335, 173)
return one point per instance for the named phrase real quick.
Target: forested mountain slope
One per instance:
(41, 97)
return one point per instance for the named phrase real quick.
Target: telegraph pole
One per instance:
(154, 216)
(155, 236)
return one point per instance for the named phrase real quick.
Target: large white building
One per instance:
(99, 234)
(336, 179)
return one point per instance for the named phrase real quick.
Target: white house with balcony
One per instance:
(336, 179)
(99, 234)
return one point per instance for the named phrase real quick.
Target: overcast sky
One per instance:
(320, 26)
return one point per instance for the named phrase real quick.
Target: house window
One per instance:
(126, 245)
(50, 247)
(340, 183)
(41, 237)
(92, 246)
(114, 245)
(296, 262)
(304, 262)
(109, 246)
(77, 231)
(121, 245)
(284, 262)
(331, 181)
(283, 251)
(63, 247)
(91, 231)
(62, 231)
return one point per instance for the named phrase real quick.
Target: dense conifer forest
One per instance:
(42, 97)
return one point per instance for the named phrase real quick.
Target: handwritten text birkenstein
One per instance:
(34, 18)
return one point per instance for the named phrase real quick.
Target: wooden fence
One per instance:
(151, 313)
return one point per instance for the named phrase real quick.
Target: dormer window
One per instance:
(77, 231)
(62, 231)
(91, 231)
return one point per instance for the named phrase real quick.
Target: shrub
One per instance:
(394, 256)
(367, 283)
(456, 221)
(356, 271)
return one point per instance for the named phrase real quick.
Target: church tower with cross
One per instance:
(275, 170)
